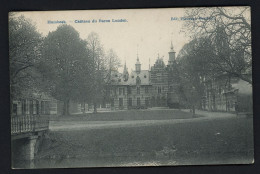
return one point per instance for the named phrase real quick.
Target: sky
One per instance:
(146, 32)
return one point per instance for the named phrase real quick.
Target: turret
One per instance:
(137, 65)
(125, 73)
(171, 55)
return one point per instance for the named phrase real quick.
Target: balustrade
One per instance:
(29, 123)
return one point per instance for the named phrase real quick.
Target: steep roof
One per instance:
(143, 75)
(118, 79)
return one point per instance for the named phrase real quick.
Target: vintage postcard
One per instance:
(131, 87)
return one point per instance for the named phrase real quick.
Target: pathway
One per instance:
(84, 124)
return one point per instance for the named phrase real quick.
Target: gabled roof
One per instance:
(143, 75)
(159, 64)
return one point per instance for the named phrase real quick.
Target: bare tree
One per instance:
(112, 63)
(98, 74)
(229, 30)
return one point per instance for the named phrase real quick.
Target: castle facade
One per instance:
(145, 88)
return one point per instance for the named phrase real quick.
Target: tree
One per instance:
(98, 74)
(112, 63)
(83, 84)
(194, 65)
(24, 51)
(64, 57)
(103, 65)
(229, 30)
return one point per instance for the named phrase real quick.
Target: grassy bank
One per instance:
(214, 141)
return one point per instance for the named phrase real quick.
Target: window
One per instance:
(34, 107)
(23, 106)
(144, 76)
(146, 89)
(42, 107)
(47, 107)
(123, 91)
(130, 102)
(37, 107)
(120, 91)
(159, 90)
(231, 104)
(53, 107)
(138, 101)
(129, 91)
(147, 101)
(120, 102)
(138, 90)
(15, 109)
(112, 102)
(171, 89)
(31, 107)
(138, 80)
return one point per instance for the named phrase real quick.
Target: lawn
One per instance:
(128, 115)
(212, 141)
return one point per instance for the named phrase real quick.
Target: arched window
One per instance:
(159, 89)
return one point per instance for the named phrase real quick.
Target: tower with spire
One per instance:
(155, 87)
(125, 73)
(137, 65)
(171, 55)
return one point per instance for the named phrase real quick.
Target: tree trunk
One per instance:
(66, 107)
(84, 108)
(200, 105)
(95, 107)
(193, 111)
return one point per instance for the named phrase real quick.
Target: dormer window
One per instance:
(138, 80)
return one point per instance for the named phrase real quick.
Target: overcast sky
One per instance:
(151, 30)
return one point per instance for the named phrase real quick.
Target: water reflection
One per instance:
(119, 161)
